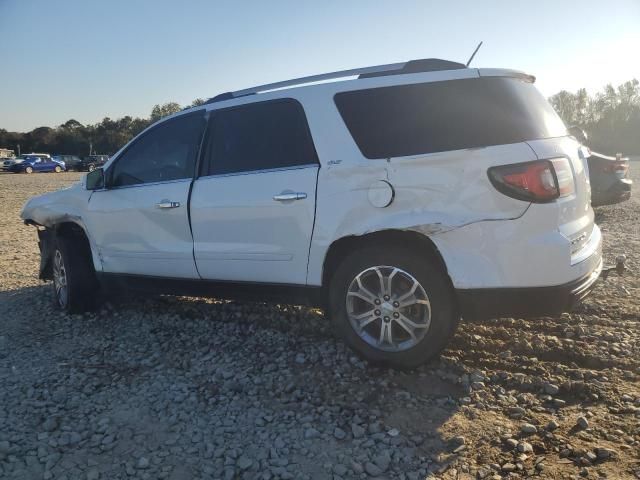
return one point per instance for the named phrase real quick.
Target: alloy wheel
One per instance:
(60, 279)
(388, 308)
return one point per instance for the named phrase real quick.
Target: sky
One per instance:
(88, 60)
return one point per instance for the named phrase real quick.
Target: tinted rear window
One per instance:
(451, 115)
(258, 136)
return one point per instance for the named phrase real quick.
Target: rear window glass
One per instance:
(451, 115)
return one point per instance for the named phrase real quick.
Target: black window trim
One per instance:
(261, 170)
(149, 184)
(202, 161)
(109, 172)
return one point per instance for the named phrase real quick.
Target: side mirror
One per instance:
(95, 180)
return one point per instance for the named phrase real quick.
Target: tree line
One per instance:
(611, 119)
(74, 138)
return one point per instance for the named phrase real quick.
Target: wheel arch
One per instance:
(65, 229)
(416, 241)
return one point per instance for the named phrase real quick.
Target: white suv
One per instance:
(400, 200)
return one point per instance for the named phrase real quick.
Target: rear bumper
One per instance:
(619, 191)
(526, 302)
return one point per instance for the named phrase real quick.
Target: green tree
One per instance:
(160, 111)
(611, 117)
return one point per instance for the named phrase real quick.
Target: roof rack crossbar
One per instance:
(318, 78)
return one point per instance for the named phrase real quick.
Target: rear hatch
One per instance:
(575, 215)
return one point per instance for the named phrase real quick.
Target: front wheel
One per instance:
(28, 170)
(58, 169)
(75, 286)
(91, 168)
(393, 306)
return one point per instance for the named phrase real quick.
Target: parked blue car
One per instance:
(38, 164)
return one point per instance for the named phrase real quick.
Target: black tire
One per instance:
(82, 287)
(426, 270)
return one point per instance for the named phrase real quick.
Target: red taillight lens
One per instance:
(618, 166)
(539, 181)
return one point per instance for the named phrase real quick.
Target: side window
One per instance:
(258, 136)
(166, 152)
(424, 118)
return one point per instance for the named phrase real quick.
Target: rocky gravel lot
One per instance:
(183, 388)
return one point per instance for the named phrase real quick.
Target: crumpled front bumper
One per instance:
(45, 243)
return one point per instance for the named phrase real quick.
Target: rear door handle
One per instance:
(167, 204)
(288, 196)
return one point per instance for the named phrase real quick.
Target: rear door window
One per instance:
(450, 115)
(259, 136)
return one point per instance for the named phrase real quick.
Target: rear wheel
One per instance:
(393, 306)
(28, 170)
(75, 286)
(91, 168)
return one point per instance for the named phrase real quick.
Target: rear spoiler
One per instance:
(504, 72)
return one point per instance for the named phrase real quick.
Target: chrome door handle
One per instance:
(167, 204)
(287, 196)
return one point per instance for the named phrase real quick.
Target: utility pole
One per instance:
(18, 149)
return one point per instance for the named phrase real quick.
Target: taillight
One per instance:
(539, 181)
(564, 176)
(619, 167)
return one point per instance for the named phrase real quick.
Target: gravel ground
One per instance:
(185, 388)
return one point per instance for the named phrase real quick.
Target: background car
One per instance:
(4, 165)
(37, 164)
(609, 176)
(91, 162)
(72, 162)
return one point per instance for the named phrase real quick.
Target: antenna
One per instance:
(474, 53)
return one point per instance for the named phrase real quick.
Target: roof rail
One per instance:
(412, 66)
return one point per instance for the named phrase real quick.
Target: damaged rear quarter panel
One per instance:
(433, 194)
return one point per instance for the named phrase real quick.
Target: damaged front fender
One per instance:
(45, 243)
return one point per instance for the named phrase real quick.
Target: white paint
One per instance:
(240, 233)
(134, 236)
(380, 194)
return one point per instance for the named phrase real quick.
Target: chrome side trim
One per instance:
(182, 180)
(265, 170)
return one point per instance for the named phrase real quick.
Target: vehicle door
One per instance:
(253, 206)
(140, 221)
(38, 164)
(48, 165)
